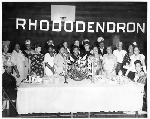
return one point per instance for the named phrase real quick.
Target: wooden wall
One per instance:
(85, 11)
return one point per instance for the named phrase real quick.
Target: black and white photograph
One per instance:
(74, 59)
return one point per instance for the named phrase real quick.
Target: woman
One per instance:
(109, 62)
(49, 61)
(5, 55)
(86, 50)
(127, 57)
(134, 57)
(18, 59)
(140, 76)
(96, 60)
(27, 51)
(59, 61)
(37, 61)
(75, 56)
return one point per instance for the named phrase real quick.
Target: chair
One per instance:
(6, 101)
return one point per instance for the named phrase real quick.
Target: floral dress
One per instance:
(5, 57)
(37, 64)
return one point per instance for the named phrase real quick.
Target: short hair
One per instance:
(37, 45)
(75, 47)
(60, 46)
(109, 46)
(138, 61)
(50, 46)
(94, 46)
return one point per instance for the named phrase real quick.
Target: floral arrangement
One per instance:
(78, 71)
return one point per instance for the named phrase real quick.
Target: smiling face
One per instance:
(86, 46)
(138, 67)
(17, 47)
(38, 49)
(65, 44)
(136, 50)
(76, 43)
(109, 50)
(50, 42)
(5, 48)
(101, 45)
(28, 46)
(130, 49)
(76, 51)
(62, 50)
(95, 50)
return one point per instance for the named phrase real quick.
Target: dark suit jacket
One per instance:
(104, 51)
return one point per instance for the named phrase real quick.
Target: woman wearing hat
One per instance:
(27, 51)
(9, 85)
(37, 59)
(101, 47)
(5, 55)
(86, 50)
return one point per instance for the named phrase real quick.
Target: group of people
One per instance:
(98, 59)
(103, 60)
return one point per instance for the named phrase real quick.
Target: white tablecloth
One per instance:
(79, 96)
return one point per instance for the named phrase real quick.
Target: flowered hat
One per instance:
(8, 63)
(27, 42)
(100, 39)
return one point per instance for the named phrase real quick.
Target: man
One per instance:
(9, 86)
(102, 49)
(119, 53)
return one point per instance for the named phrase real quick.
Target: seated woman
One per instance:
(96, 60)
(9, 86)
(37, 61)
(59, 61)
(140, 76)
(134, 57)
(109, 62)
(49, 61)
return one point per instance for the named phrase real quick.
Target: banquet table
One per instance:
(79, 96)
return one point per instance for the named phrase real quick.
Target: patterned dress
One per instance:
(37, 64)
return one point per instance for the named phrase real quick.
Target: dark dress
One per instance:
(102, 53)
(36, 64)
(9, 85)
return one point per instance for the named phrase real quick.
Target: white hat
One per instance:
(27, 42)
(100, 39)
(8, 63)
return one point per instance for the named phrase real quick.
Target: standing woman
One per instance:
(37, 59)
(96, 60)
(49, 61)
(27, 51)
(109, 62)
(18, 59)
(5, 55)
(59, 61)
(127, 60)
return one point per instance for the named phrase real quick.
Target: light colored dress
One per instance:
(109, 63)
(59, 64)
(5, 57)
(18, 59)
(50, 61)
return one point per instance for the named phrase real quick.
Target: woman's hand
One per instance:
(17, 75)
